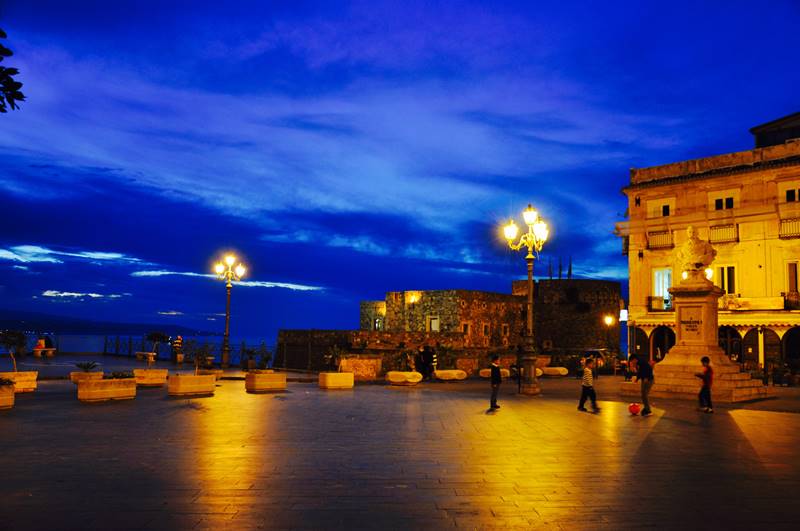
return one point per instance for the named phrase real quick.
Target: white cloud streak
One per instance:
(81, 295)
(244, 283)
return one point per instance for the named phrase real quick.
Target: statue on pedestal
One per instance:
(695, 255)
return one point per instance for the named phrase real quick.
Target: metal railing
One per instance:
(723, 233)
(660, 240)
(790, 228)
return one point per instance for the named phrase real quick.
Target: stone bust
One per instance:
(695, 254)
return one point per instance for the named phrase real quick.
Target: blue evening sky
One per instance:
(346, 149)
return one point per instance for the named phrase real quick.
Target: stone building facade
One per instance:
(747, 205)
(468, 324)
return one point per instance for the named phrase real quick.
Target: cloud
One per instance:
(80, 295)
(244, 283)
(170, 312)
(36, 253)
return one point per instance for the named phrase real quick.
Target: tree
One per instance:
(14, 341)
(9, 87)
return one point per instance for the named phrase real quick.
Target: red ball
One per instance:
(634, 408)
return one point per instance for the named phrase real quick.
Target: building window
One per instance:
(662, 281)
(665, 210)
(465, 328)
(725, 278)
(723, 203)
(486, 329)
(791, 196)
(433, 323)
(505, 330)
(728, 203)
(791, 277)
(378, 324)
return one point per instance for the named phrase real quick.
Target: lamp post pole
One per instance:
(533, 240)
(228, 273)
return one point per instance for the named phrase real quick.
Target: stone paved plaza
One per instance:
(428, 457)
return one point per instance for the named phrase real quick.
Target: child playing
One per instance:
(587, 387)
(707, 375)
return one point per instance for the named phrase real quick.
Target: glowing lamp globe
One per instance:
(230, 259)
(530, 215)
(510, 231)
(540, 231)
(240, 271)
(219, 269)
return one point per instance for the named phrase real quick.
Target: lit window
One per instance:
(662, 281)
(725, 278)
(378, 323)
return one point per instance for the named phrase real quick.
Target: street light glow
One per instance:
(219, 269)
(511, 230)
(530, 215)
(609, 320)
(230, 259)
(240, 270)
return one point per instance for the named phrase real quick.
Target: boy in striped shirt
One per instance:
(587, 387)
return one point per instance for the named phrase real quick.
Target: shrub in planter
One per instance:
(86, 372)
(14, 342)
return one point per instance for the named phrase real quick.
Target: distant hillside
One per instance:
(57, 324)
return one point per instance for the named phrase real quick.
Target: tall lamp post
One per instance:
(609, 321)
(533, 240)
(227, 272)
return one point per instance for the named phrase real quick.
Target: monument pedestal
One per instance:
(695, 300)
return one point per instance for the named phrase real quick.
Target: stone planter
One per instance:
(336, 380)
(6, 396)
(79, 376)
(192, 384)
(217, 373)
(450, 375)
(487, 373)
(111, 389)
(24, 381)
(150, 377)
(264, 381)
(403, 377)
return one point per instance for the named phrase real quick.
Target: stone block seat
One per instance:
(336, 380)
(217, 373)
(24, 381)
(450, 375)
(191, 384)
(79, 376)
(554, 371)
(403, 377)
(264, 381)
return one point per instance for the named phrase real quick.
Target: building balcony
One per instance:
(728, 233)
(789, 229)
(660, 240)
(659, 304)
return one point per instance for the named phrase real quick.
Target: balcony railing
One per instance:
(723, 233)
(659, 304)
(660, 240)
(791, 300)
(790, 228)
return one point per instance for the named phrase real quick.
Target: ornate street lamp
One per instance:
(227, 272)
(533, 240)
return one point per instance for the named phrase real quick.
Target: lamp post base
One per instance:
(530, 384)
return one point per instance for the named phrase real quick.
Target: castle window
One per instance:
(505, 330)
(465, 328)
(378, 325)
(486, 329)
(433, 323)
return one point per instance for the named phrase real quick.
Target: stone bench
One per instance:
(487, 373)
(554, 371)
(48, 352)
(111, 389)
(146, 356)
(264, 381)
(403, 377)
(24, 381)
(336, 380)
(150, 377)
(450, 375)
(191, 384)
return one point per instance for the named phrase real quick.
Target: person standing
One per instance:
(707, 375)
(644, 374)
(496, 379)
(587, 387)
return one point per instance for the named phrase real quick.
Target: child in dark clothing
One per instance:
(707, 375)
(587, 387)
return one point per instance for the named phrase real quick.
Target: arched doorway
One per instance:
(772, 348)
(731, 342)
(750, 350)
(640, 346)
(663, 339)
(791, 349)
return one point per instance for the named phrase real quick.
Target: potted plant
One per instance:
(6, 393)
(114, 386)
(14, 342)
(204, 360)
(197, 384)
(264, 356)
(247, 357)
(85, 373)
(333, 379)
(151, 377)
